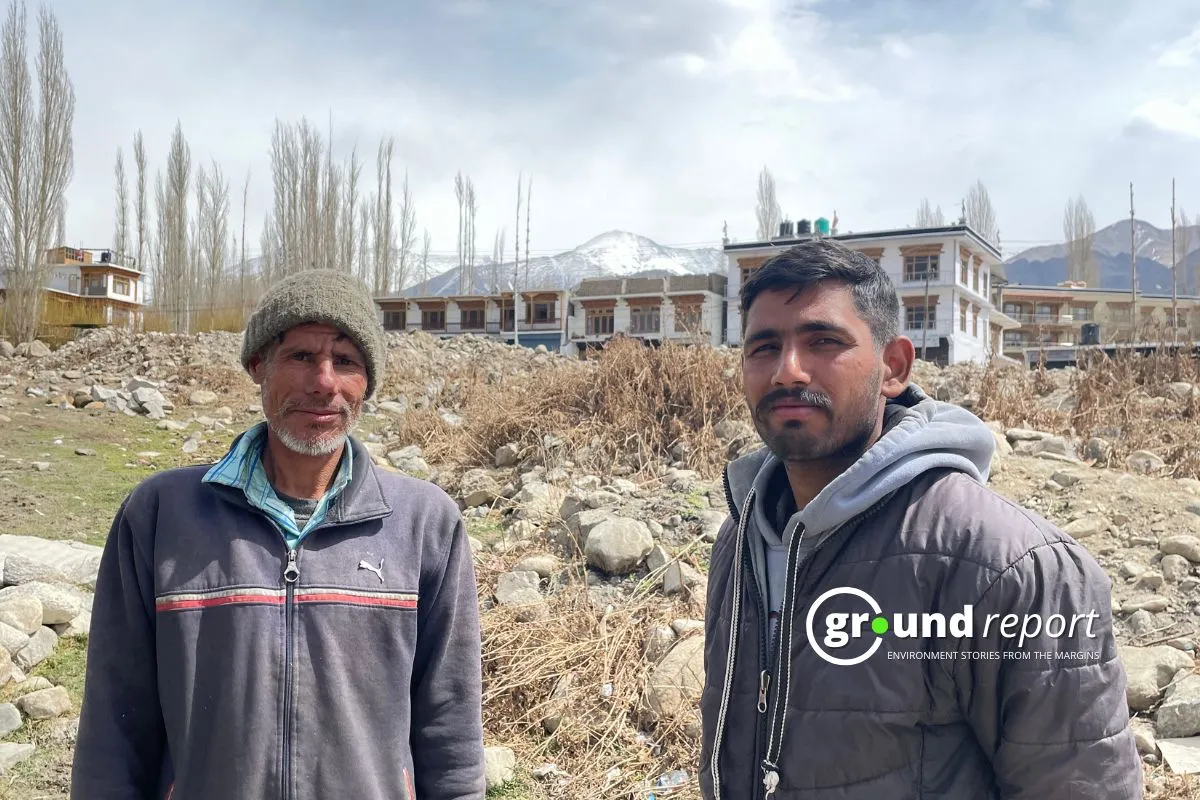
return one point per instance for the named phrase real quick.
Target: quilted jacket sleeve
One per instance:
(1054, 726)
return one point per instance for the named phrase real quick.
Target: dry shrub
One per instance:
(633, 404)
(1007, 394)
(595, 662)
(218, 378)
(1115, 397)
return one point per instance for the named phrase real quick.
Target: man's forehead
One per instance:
(315, 332)
(784, 308)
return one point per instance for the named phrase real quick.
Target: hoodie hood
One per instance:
(919, 434)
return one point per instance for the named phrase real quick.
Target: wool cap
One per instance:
(323, 296)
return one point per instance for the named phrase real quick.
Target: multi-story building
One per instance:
(90, 288)
(679, 308)
(543, 316)
(950, 281)
(1070, 313)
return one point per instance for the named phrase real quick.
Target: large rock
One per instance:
(10, 719)
(1085, 526)
(1149, 670)
(75, 561)
(1184, 545)
(13, 753)
(539, 501)
(507, 455)
(1144, 736)
(41, 646)
(582, 523)
(618, 544)
(202, 397)
(34, 349)
(478, 488)
(12, 640)
(1179, 714)
(59, 603)
(544, 564)
(410, 461)
(499, 766)
(519, 590)
(22, 613)
(711, 521)
(45, 703)
(674, 685)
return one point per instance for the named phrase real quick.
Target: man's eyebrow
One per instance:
(816, 326)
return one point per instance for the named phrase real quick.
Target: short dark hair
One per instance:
(816, 260)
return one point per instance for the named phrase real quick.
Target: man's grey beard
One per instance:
(321, 447)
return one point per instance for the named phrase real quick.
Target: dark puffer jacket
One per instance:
(931, 715)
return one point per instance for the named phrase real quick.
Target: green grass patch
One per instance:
(78, 495)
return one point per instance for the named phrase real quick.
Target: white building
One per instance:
(679, 308)
(91, 287)
(949, 280)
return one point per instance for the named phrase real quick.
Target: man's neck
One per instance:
(297, 475)
(807, 479)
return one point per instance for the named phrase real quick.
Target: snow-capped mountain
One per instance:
(611, 253)
(1047, 265)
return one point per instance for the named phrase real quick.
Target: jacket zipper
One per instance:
(291, 574)
(787, 615)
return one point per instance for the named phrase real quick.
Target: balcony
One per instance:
(94, 290)
(1043, 318)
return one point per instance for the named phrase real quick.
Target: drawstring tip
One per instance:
(771, 782)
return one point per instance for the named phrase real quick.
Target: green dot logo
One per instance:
(879, 625)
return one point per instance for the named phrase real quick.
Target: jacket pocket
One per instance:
(408, 785)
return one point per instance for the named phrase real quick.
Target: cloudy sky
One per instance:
(656, 117)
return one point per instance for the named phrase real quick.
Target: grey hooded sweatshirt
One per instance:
(912, 525)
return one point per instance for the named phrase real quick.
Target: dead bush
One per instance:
(633, 404)
(587, 670)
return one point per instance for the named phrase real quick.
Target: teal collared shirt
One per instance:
(242, 468)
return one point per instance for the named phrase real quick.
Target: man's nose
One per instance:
(790, 368)
(325, 379)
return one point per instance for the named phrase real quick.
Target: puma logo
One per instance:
(377, 570)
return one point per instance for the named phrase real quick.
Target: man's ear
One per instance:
(898, 357)
(258, 369)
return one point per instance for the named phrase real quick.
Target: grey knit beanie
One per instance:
(325, 296)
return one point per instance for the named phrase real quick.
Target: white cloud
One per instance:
(1182, 52)
(653, 118)
(1171, 116)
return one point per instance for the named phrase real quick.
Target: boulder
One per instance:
(1149, 670)
(499, 766)
(617, 545)
(45, 703)
(673, 686)
(1179, 714)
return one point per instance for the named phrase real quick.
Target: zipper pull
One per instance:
(291, 573)
(764, 683)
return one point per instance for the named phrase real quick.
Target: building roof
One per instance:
(1040, 288)
(781, 244)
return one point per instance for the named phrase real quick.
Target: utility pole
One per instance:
(1132, 271)
(1174, 282)
(516, 263)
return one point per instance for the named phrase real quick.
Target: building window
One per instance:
(540, 312)
(962, 315)
(975, 321)
(507, 315)
(643, 319)
(433, 320)
(915, 317)
(687, 318)
(394, 320)
(598, 321)
(121, 286)
(962, 273)
(975, 279)
(917, 267)
(471, 319)
(1013, 338)
(1081, 314)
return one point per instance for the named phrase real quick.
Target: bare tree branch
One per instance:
(980, 214)
(139, 205)
(1079, 231)
(767, 211)
(408, 229)
(120, 242)
(928, 217)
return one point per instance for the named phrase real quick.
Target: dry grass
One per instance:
(1123, 400)
(586, 668)
(632, 405)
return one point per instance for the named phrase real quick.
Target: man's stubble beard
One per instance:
(849, 435)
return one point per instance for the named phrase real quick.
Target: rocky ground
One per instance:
(591, 579)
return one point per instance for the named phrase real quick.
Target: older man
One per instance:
(291, 622)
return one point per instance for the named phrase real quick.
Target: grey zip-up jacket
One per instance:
(222, 666)
(932, 715)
